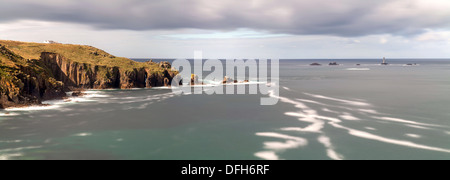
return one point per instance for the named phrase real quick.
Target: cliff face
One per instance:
(27, 82)
(80, 75)
(87, 76)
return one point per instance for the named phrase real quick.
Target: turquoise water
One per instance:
(328, 112)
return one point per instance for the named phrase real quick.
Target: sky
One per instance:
(237, 28)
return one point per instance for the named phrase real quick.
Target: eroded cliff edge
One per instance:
(25, 82)
(90, 76)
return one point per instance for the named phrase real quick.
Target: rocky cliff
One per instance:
(30, 81)
(25, 82)
(89, 76)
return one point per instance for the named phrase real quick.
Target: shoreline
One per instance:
(85, 93)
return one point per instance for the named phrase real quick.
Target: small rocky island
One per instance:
(33, 72)
(333, 64)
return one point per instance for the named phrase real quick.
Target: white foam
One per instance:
(306, 114)
(358, 69)
(294, 114)
(19, 149)
(311, 101)
(9, 156)
(330, 149)
(315, 127)
(96, 96)
(55, 104)
(354, 103)
(83, 134)
(281, 146)
(280, 136)
(291, 129)
(311, 116)
(34, 108)
(8, 114)
(348, 116)
(367, 135)
(267, 155)
(330, 111)
(413, 135)
(403, 121)
(11, 141)
(148, 98)
(448, 132)
(370, 111)
(417, 127)
(163, 87)
(286, 88)
(291, 141)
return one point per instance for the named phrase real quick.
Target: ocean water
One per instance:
(327, 112)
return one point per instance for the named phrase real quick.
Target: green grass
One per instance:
(75, 53)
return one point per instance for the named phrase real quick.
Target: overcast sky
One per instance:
(237, 28)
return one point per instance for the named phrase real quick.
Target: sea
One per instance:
(343, 112)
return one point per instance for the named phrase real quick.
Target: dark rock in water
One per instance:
(178, 79)
(226, 80)
(315, 64)
(194, 79)
(235, 81)
(166, 82)
(78, 94)
(246, 81)
(358, 64)
(333, 64)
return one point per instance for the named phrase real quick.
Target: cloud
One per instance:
(436, 36)
(320, 17)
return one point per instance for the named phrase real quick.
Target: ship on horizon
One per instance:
(384, 61)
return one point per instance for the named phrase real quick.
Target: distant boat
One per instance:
(316, 64)
(333, 64)
(384, 61)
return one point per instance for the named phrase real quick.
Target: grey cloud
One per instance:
(329, 17)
